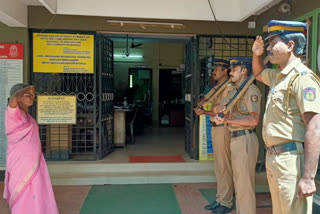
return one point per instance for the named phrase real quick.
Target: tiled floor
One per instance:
(154, 141)
(69, 199)
(137, 199)
(184, 198)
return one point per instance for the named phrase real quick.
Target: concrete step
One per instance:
(92, 167)
(95, 173)
(133, 178)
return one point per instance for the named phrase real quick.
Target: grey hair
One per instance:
(299, 40)
(18, 87)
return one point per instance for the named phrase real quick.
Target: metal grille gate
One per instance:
(92, 136)
(105, 85)
(198, 51)
(222, 47)
(191, 89)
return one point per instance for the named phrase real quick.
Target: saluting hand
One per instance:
(258, 46)
(20, 93)
(306, 187)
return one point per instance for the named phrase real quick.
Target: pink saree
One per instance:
(27, 182)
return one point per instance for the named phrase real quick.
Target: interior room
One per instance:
(149, 96)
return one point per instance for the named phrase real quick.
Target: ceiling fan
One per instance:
(135, 45)
(127, 51)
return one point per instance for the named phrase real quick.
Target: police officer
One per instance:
(243, 118)
(291, 117)
(221, 144)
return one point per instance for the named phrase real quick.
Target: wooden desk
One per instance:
(120, 126)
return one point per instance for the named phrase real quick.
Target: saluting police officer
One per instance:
(291, 124)
(221, 144)
(243, 118)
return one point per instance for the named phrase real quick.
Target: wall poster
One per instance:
(63, 53)
(11, 73)
(56, 110)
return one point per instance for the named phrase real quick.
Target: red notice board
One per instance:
(11, 51)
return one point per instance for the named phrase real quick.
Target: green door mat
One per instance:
(131, 199)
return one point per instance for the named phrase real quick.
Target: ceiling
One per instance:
(32, 2)
(15, 13)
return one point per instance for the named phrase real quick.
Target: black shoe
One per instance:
(212, 206)
(221, 210)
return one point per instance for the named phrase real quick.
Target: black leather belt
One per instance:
(286, 147)
(240, 133)
(215, 125)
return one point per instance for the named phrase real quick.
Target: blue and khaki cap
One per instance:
(222, 62)
(247, 61)
(276, 28)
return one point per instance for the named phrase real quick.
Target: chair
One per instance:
(131, 125)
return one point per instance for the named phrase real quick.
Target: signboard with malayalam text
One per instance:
(56, 110)
(63, 53)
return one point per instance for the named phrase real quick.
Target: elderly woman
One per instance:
(27, 182)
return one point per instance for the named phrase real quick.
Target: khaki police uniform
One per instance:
(293, 91)
(222, 157)
(244, 148)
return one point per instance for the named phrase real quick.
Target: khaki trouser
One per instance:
(284, 171)
(222, 165)
(244, 155)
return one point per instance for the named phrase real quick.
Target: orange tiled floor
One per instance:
(70, 199)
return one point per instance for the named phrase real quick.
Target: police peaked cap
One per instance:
(222, 62)
(247, 61)
(276, 28)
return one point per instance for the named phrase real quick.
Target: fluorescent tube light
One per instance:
(130, 56)
(172, 25)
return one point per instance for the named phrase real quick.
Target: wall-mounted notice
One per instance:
(11, 72)
(56, 109)
(63, 53)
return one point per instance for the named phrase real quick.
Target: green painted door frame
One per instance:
(315, 31)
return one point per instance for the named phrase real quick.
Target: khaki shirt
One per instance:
(230, 87)
(249, 103)
(282, 124)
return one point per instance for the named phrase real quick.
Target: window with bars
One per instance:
(222, 47)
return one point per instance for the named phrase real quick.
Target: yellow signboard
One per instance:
(63, 53)
(56, 109)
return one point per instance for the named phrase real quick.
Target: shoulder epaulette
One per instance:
(294, 77)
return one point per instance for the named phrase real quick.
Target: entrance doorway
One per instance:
(149, 75)
(171, 98)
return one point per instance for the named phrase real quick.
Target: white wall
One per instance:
(226, 10)
(51, 5)
(13, 13)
